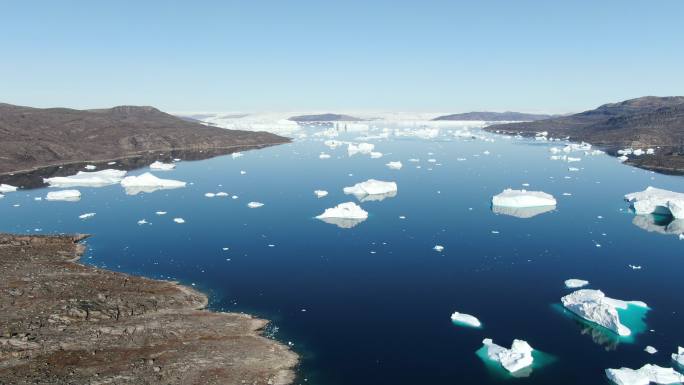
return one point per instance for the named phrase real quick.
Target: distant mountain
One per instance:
(646, 122)
(507, 116)
(36, 137)
(325, 118)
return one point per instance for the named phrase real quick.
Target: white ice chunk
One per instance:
(320, 193)
(142, 222)
(650, 350)
(523, 198)
(179, 220)
(372, 189)
(162, 166)
(361, 148)
(254, 205)
(236, 155)
(323, 155)
(438, 248)
(375, 154)
(575, 283)
(5, 188)
(622, 158)
(90, 167)
(645, 375)
(148, 183)
(160, 212)
(466, 319)
(344, 215)
(657, 201)
(86, 215)
(395, 165)
(595, 307)
(209, 195)
(87, 179)
(679, 356)
(519, 356)
(64, 195)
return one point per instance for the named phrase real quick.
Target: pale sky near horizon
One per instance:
(450, 56)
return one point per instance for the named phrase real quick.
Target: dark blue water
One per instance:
(372, 304)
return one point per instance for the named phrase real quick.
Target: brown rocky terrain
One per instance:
(31, 138)
(62, 322)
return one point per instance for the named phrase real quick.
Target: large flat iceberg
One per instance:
(594, 306)
(647, 374)
(64, 195)
(523, 198)
(657, 201)
(372, 190)
(518, 357)
(148, 183)
(345, 215)
(87, 179)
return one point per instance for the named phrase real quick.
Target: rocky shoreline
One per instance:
(67, 323)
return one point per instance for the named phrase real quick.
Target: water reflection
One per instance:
(522, 212)
(344, 223)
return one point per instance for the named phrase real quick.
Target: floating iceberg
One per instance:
(64, 195)
(345, 215)
(594, 306)
(518, 357)
(323, 155)
(438, 248)
(254, 205)
(575, 283)
(86, 215)
(644, 376)
(650, 350)
(395, 165)
(657, 201)
(5, 188)
(179, 220)
(236, 155)
(90, 167)
(320, 193)
(679, 356)
(148, 183)
(87, 179)
(162, 166)
(465, 319)
(523, 198)
(372, 190)
(361, 148)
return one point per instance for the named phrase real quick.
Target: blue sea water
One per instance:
(371, 304)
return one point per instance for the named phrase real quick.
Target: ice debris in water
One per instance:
(254, 205)
(375, 154)
(320, 193)
(372, 189)
(523, 198)
(519, 356)
(465, 319)
(87, 179)
(236, 155)
(157, 165)
(679, 356)
(438, 248)
(64, 195)
(90, 167)
(179, 220)
(575, 283)
(594, 306)
(147, 183)
(86, 215)
(657, 201)
(361, 148)
(142, 222)
(209, 195)
(394, 165)
(645, 375)
(323, 155)
(650, 350)
(5, 188)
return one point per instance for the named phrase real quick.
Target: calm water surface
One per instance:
(372, 304)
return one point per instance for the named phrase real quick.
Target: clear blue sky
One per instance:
(545, 55)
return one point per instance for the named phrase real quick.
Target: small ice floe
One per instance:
(432, 160)
(179, 220)
(87, 179)
(236, 155)
(344, 215)
(320, 193)
(594, 306)
(638, 152)
(222, 194)
(361, 148)
(147, 183)
(465, 320)
(647, 374)
(142, 222)
(38, 198)
(242, 172)
(634, 267)
(650, 151)
(414, 160)
(518, 357)
(622, 158)
(323, 155)
(573, 169)
(375, 154)
(90, 167)
(254, 205)
(157, 165)
(372, 190)
(64, 195)
(160, 212)
(5, 188)
(650, 350)
(438, 248)
(575, 283)
(86, 215)
(657, 201)
(209, 195)
(679, 356)
(394, 165)
(571, 159)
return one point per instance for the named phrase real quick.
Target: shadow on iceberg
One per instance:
(345, 223)
(522, 212)
(662, 224)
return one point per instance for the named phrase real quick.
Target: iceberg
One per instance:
(179, 220)
(518, 357)
(148, 183)
(523, 198)
(323, 155)
(64, 195)
(394, 165)
(679, 356)
(465, 319)
(361, 148)
(90, 167)
(372, 190)
(650, 350)
(320, 193)
(5, 188)
(662, 224)
(162, 166)
(575, 283)
(645, 375)
(438, 248)
(86, 215)
(254, 205)
(594, 306)
(345, 215)
(657, 201)
(87, 179)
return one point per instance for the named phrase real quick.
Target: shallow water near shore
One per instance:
(371, 304)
